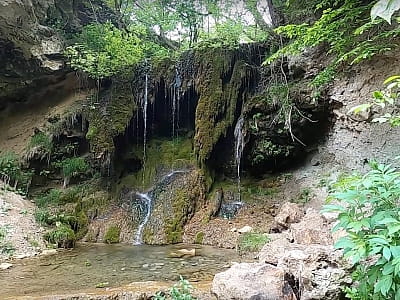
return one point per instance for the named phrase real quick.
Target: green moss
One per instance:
(112, 235)
(174, 225)
(82, 223)
(252, 242)
(160, 153)
(199, 238)
(219, 94)
(107, 122)
(184, 205)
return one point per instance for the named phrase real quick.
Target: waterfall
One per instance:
(239, 145)
(176, 94)
(144, 108)
(147, 201)
(146, 204)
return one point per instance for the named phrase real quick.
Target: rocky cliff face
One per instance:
(32, 38)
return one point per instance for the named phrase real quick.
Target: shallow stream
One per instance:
(91, 265)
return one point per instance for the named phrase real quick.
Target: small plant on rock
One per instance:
(180, 291)
(40, 146)
(72, 167)
(252, 242)
(63, 236)
(112, 235)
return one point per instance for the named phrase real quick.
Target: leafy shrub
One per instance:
(72, 167)
(369, 212)
(180, 291)
(347, 30)
(102, 50)
(252, 242)
(51, 198)
(63, 236)
(42, 216)
(112, 235)
(11, 172)
(40, 145)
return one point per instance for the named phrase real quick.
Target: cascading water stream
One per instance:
(147, 204)
(239, 144)
(147, 201)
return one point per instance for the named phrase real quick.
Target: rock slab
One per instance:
(247, 281)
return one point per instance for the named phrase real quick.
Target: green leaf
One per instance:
(392, 78)
(359, 108)
(385, 9)
(344, 243)
(395, 251)
(388, 269)
(386, 253)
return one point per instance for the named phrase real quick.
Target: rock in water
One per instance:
(247, 281)
(5, 266)
(183, 252)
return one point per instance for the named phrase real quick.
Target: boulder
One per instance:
(313, 229)
(245, 229)
(252, 281)
(289, 213)
(318, 269)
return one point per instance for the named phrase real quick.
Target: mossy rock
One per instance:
(112, 235)
(62, 235)
(199, 238)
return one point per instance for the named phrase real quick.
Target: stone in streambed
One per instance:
(5, 266)
(182, 253)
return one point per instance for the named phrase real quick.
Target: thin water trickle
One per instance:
(239, 145)
(147, 201)
(144, 108)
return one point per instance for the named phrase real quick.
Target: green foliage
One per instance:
(346, 29)
(304, 196)
(57, 196)
(102, 50)
(72, 167)
(199, 238)
(383, 99)
(11, 172)
(369, 212)
(252, 242)
(229, 35)
(41, 144)
(112, 235)
(62, 235)
(5, 246)
(180, 291)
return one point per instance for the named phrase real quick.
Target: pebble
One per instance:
(49, 252)
(5, 266)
